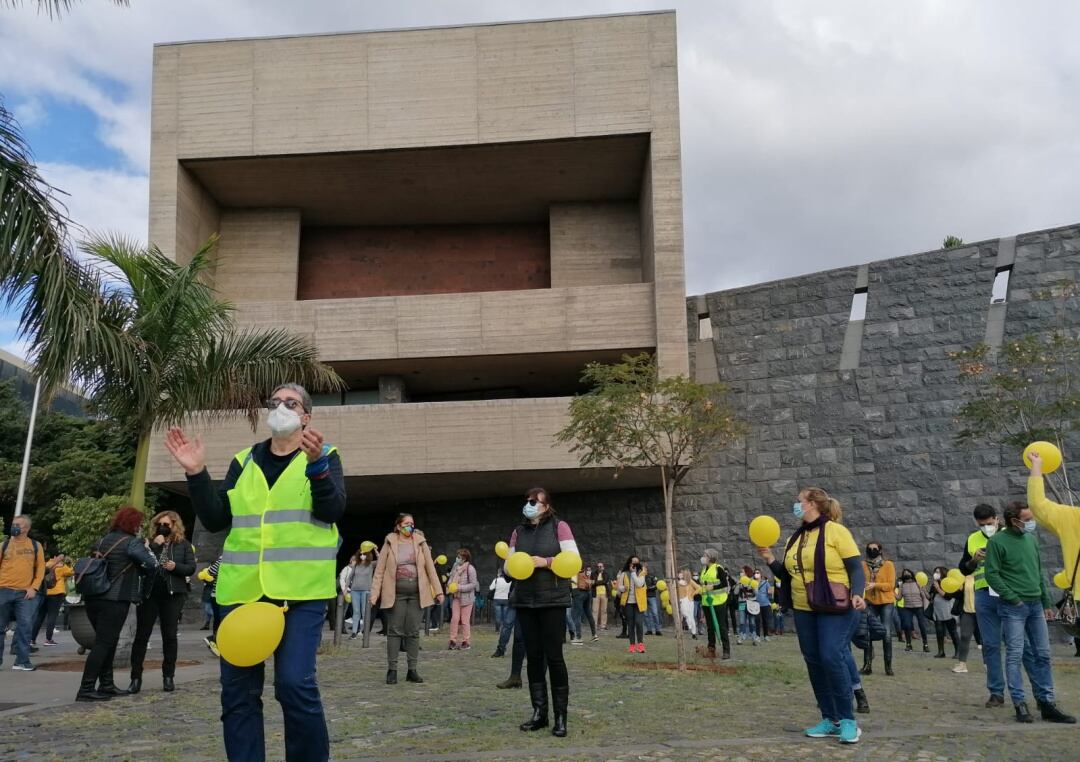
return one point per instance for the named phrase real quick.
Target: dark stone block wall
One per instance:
(879, 437)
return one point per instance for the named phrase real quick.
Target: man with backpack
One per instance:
(22, 570)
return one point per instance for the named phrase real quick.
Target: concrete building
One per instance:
(65, 400)
(459, 219)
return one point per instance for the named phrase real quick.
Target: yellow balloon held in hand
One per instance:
(520, 565)
(764, 531)
(1061, 580)
(951, 584)
(744, 580)
(250, 633)
(502, 550)
(957, 575)
(661, 585)
(665, 597)
(452, 588)
(1048, 451)
(566, 564)
(921, 578)
(440, 560)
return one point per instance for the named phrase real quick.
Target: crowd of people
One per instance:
(280, 501)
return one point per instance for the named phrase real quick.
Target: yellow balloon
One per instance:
(921, 578)
(951, 584)
(744, 580)
(665, 597)
(502, 550)
(440, 560)
(661, 586)
(1061, 580)
(1048, 451)
(520, 565)
(775, 606)
(667, 609)
(249, 634)
(764, 531)
(957, 575)
(452, 588)
(566, 564)
(754, 584)
(367, 546)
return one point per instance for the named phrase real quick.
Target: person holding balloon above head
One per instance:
(405, 583)
(279, 502)
(541, 560)
(1063, 521)
(822, 577)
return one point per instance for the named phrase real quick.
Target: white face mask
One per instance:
(282, 421)
(989, 529)
(704, 560)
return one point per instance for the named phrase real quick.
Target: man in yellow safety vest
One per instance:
(279, 501)
(714, 595)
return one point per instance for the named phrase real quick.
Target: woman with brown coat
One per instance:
(405, 583)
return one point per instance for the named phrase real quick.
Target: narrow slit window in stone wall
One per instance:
(704, 330)
(1000, 294)
(858, 305)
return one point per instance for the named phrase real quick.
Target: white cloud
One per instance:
(29, 112)
(102, 200)
(816, 133)
(17, 347)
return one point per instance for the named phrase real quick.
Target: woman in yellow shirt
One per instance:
(825, 628)
(49, 608)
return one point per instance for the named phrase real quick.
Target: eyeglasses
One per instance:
(291, 404)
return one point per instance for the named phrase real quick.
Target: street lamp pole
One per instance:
(26, 454)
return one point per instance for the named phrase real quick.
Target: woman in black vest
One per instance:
(541, 602)
(165, 594)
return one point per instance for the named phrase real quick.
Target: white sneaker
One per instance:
(960, 668)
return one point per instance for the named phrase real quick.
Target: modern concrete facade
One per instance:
(458, 218)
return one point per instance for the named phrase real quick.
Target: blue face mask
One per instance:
(530, 511)
(406, 530)
(797, 510)
(1029, 526)
(16, 530)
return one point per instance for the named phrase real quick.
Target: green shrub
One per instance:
(83, 521)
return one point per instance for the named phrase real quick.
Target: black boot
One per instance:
(539, 719)
(135, 686)
(87, 692)
(868, 660)
(412, 676)
(862, 706)
(1022, 713)
(1051, 713)
(168, 685)
(391, 677)
(560, 698)
(940, 647)
(514, 681)
(888, 665)
(725, 653)
(107, 685)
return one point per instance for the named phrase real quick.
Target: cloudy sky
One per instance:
(816, 133)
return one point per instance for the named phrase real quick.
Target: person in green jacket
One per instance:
(1014, 571)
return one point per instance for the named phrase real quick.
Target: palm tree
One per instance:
(150, 343)
(54, 8)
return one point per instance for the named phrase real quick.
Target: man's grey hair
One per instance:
(305, 398)
(712, 554)
(24, 517)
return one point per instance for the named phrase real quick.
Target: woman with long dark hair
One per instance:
(164, 597)
(126, 556)
(823, 578)
(405, 583)
(541, 602)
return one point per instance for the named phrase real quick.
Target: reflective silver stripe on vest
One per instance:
(246, 521)
(300, 554)
(240, 557)
(300, 514)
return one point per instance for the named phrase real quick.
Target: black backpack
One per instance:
(91, 573)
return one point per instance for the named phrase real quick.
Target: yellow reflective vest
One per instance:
(276, 548)
(710, 575)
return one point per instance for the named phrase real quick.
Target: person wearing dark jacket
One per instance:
(126, 557)
(541, 601)
(165, 592)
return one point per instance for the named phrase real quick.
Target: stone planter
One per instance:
(81, 629)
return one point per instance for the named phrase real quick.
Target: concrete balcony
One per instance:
(569, 319)
(404, 452)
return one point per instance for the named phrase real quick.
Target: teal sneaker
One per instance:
(849, 731)
(824, 729)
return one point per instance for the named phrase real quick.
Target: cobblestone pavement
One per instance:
(618, 712)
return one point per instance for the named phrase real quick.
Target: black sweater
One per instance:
(212, 505)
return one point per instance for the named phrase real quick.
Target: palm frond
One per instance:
(53, 8)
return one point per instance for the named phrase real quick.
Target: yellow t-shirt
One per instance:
(1062, 520)
(839, 544)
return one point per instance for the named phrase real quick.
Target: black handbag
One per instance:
(1068, 615)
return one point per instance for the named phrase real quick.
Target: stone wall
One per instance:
(879, 437)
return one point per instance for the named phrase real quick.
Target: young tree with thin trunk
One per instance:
(633, 418)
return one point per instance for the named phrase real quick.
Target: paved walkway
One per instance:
(618, 711)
